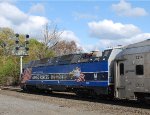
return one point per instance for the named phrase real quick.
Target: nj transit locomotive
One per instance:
(121, 72)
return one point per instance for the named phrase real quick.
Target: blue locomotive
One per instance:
(90, 73)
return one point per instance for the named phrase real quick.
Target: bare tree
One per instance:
(52, 43)
(51, 35)
(66, 47)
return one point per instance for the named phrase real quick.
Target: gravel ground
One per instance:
(19, 103)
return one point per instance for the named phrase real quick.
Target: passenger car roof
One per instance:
(136, 48)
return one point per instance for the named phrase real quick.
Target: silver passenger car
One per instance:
(132, 72)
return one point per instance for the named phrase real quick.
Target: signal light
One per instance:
(17, 35)
(17, 41)
(27, 49)
(17, 48)
(27, 36)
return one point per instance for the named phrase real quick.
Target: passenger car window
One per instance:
(139, 69)
(121, 69)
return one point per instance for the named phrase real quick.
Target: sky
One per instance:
(92, 24)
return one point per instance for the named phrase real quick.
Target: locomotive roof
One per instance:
(140, 47)
(70, 59)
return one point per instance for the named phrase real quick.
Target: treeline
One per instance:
(50, 45)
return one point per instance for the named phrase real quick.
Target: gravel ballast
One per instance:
(19, 103)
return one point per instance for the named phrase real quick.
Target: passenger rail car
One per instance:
(121, 72)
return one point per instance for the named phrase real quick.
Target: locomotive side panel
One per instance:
(62, 78)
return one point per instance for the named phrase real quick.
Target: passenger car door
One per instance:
(120, 80)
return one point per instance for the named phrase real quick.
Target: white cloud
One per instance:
(103, 44)
(68, 36)
(112, 34)
(107, 29)
(117, 34)
(32, 26)
(124, 8)
(4, 22)
(78, 16)
(37, 8)
(12, 13)
(134, 39)
(26, 23)
(8, 1)
(19, 21)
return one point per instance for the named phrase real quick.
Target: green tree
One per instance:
(9, 70)
(37, 51)
(9, 64)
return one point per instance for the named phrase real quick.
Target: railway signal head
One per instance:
(17, 38)
(26, 41)
(21, 48)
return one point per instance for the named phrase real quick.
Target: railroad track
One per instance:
(73, 96)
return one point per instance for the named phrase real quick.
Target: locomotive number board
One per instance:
(40, 77)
